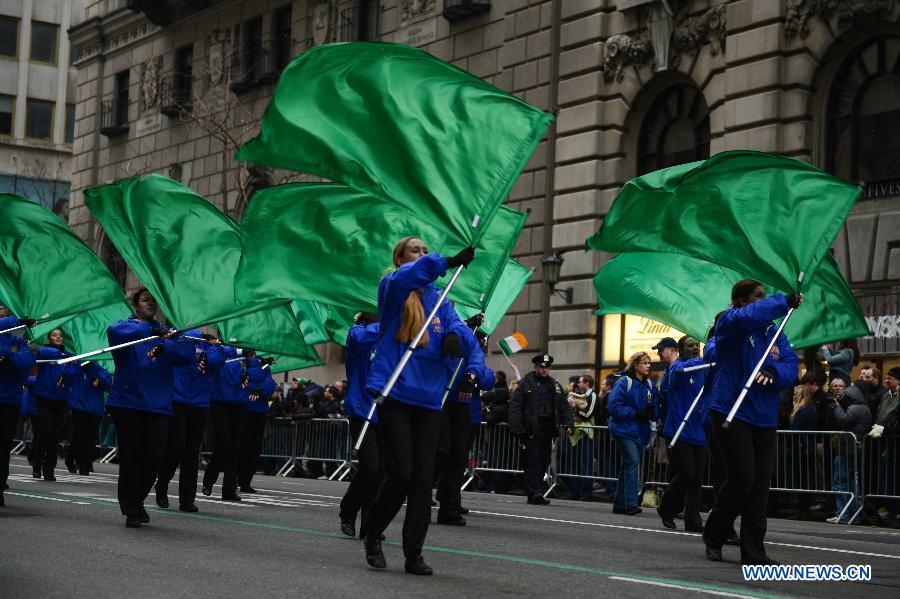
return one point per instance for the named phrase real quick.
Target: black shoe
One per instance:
(713, 555)
(451, 519)
(162, 498)
(693, 528)
(84, 472)
(133, 521)
(463, 510)
(35, 472)
(348, 526)
(248, 489)
(72, 468)
(620, 510)
(766, 561)
(230, 497)
(206, 490)
(144, 516)
(416, 565)
(188, 508)
(374, 554)
(49, 477)
(733, 539)
(538, 500)
(2, 501)
(666, 521)
(634, 511)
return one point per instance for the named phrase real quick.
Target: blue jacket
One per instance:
(262, 380)
(361, 340)
(425, 376)
(227, 384)
(742, 335)
(192, 387)
(142, 383)
(85, 397)
(16, 361)
(54, 381)
(683, 388)
(475, 408)
(29, 407)
(484, 376)
(625, 405)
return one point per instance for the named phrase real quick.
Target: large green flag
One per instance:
(511, 282)
(288, 363)
(332, 244)
(320, 322)
(46, 271)
(768, 216)
(686, 293)
(401, 125)
(86, 331)
(186, 252)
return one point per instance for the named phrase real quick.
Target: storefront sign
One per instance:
(882, 314)
(640, 334)
(881, 189)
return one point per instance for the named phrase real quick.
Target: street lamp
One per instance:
(552, 265)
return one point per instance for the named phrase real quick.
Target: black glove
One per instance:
(461, 259)
(245, 380)
(266, 361)
(475, 321)
(769, 373)
(793, 300)
(202, 361)
(156, 351)
(451, 346)
(468, 383)
(646, 415)
(27, 321)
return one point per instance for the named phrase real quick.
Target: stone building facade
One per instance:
(639, 85)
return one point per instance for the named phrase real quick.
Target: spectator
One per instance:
(583, 401)
(887, 424)
(607, 453)
(871, 376)
(496, 401)
(496, 411)
(851, 414)
(841, 358)
(803, 446)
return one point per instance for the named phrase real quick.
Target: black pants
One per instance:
(362, 490)
(183, 448)
(227, 419)
(536, 459)
(34, 452)
(749, 454)
(688, 462)
(251, 446)
(83, 448)
(410, 437)
(9, 420)
(52, 414)
(141, 440)
(455, 435)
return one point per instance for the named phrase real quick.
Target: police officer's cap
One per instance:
(665, 342)
(542, 360)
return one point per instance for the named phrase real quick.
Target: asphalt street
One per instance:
(68, 539)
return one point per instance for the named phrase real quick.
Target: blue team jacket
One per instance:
(742, 335)
(141, 383)
(261, 379)
(29, 407)
(484, 376)
(683, 388)
(625, 405)
(85, 397)
(425, 376)
(193, 388)
(54, 381)
(361, 340)
(17, 362)
(227, 387)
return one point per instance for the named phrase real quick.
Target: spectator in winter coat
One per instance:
(850, 413)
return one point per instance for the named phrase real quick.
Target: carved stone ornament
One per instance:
(414, 10)
(692, 33)
(215, 58)
(840, 12)
(150, 83)
(322, 22)
(621, 51)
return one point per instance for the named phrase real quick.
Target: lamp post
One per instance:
(552, 265)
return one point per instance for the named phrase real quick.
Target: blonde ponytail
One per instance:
(412, 321)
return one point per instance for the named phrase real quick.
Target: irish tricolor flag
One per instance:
(514, 343)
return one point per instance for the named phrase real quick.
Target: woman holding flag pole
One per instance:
(409, 417)
(52, 388)
(743, 333)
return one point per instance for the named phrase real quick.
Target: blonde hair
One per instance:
(413, 318)
(633, 362)
(802, 397)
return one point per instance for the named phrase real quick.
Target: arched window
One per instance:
(675, 129)
(864, 113)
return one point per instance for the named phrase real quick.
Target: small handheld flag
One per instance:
(513, 344)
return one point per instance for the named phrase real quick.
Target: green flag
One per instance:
(46, 271)
(288, 363)
(331, 244)
(511, 282)
(686, 293)
(186, 252)
(86, 331)
(401, 125)
(768, 216)
(320, 322)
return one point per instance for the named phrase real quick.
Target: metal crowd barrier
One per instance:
(880, 473)
(495, 450)
(322, 440)
(24, 434)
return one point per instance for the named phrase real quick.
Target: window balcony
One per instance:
(113, 117)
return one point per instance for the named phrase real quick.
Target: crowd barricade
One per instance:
(324, 440)
(880, 473)
(107, 440)
(278, 443)
(495, 450)
(594, 456)
(23, 436)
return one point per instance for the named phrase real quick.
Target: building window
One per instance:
(44, 37)
(7, 110)
(73, 54)
(9, 37)
(253, 47)
(184, 75)
(675, 129)
(121, 98)
(281, 37)
(864, 114)
(70, 123)
(39, 119)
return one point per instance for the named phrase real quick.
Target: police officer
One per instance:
(16, 360)
(260, 388)
(537, 410)
(87, 405)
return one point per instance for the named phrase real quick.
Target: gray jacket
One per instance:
(857, 418)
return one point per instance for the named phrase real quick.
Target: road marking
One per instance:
(679, 587)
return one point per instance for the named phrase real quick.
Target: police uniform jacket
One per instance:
(536, 402)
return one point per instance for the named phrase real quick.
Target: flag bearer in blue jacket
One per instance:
(190, 410)
(87, 404)
(743, 333)
(140, 400)
(29, 409)
(410, 417)
(688, 457)
(633, 405)
(51, 389)
(231, 386)
(16, 360)
(360, 494)
(259, 390)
